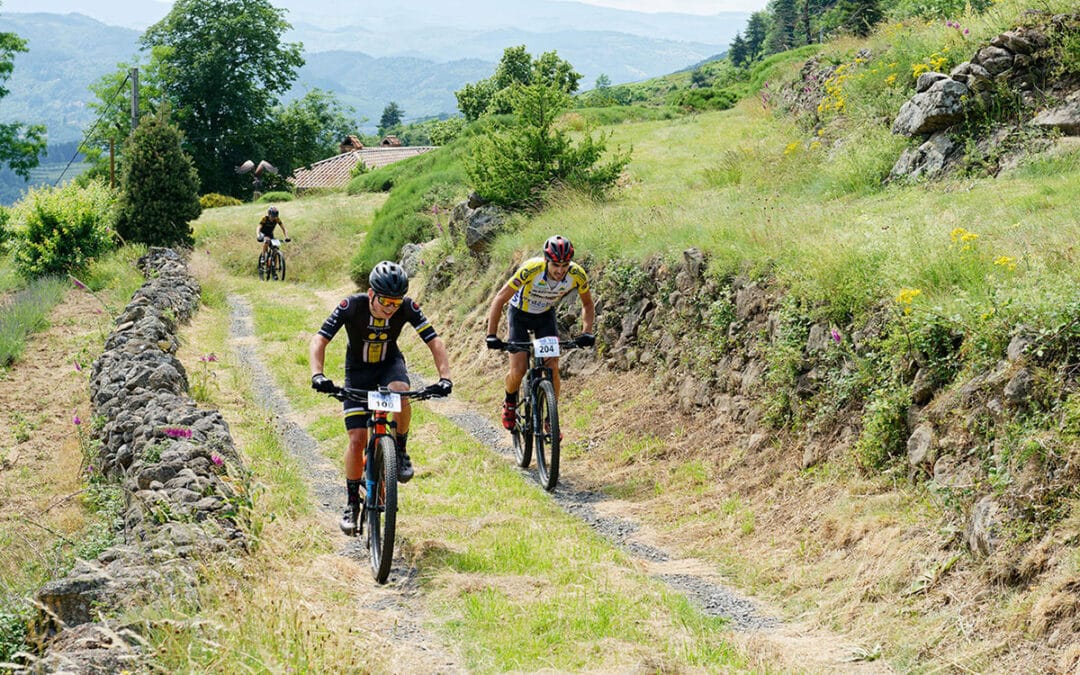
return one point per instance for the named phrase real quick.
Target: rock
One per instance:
(920, 445)
(481, 226)
(937, 108)
(1064, 117)
(927, 80)
(922, 388)
(994, 59)
(1019, 345)
(980, 534)
(1019, 388)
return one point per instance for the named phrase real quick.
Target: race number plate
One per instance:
(546, 347)
(386, 402)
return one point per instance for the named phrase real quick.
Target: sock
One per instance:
(511, 398)
(352, 490)
(402, 439)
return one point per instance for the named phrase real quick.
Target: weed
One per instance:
(203, 379)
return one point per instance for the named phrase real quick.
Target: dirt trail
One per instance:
(759, 631)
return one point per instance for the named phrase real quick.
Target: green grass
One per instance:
(27, 312)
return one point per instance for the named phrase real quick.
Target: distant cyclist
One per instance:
(533, 293)
(373, 322)
(265, 231)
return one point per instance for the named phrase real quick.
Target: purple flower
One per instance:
(76, 421)
(836, 336)
(176, 432)
(78, 367)
(208, 358)
(79, 284)
(217, 459)
(966, 31)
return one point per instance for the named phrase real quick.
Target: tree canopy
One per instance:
(222, 66)
(20, 144)
(517, 67)
(391, 117)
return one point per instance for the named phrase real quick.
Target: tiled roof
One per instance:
(334, 171)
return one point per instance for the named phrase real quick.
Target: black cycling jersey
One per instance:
(373, 340)
(267, 225)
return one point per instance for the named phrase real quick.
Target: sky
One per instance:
(705, 7)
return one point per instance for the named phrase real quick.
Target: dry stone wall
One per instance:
(179, 471)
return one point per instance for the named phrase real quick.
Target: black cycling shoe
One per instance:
(404, 467)
(348, 519)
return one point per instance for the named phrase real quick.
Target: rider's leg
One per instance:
(553, 363)
(402, 420)
(354, 475)
(519, 363)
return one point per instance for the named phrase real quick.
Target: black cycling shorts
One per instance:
(522, 323)
(371, 376)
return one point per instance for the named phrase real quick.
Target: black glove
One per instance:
(320, 382)
(440, 388)
(493, 342)
(259, 237)
(288, 239)
(585, 340)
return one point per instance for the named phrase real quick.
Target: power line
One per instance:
(90, 133)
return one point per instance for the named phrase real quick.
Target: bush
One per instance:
(276, 196)
(214, 200)
(706, 99)
(59, 230)
(160, 187)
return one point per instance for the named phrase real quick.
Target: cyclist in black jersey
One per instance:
(265, 231)
(373, 322)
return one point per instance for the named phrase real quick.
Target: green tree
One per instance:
(602, 82)
(61, 229)
(391, 117)
(518, 166)
(757, 31)
(738, 52)
(160, 186)
(782, 32)
(112, 108)
(306, 130)
(862, 15)
(223, 64)
(21, 145)
(517, 67)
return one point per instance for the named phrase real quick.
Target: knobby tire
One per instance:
(546, 432)
(382, 518)
(281, 267)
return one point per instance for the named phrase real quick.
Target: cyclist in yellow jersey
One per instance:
(533, 292)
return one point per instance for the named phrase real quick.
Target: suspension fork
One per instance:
(378, 426)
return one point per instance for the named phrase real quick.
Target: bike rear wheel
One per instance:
(547, 435)
(382, 508)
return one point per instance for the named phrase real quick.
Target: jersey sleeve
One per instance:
(527, 271)
(337, 318)
(420, 322)
(581, 280)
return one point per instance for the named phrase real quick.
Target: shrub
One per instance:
(276, 196)
(214, 200)
(706, 99)
(58, 230)
(160, 187)
(884, 432)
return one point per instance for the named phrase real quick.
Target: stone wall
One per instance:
(180, 474)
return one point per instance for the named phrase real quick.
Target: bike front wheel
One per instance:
(382, 508)
(546, 433)
(281, 267)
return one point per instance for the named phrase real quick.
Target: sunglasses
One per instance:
(389, 302)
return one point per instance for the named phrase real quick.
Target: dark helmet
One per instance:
(272, 212)
(558, 249)
(389, 279)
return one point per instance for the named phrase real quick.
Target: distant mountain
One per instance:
(416, 53)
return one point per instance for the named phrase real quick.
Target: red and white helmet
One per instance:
(558, 249)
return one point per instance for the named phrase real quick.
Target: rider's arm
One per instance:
(317, 353)
(442, 359)
(588, 312)
(284, 233)
(500, 299)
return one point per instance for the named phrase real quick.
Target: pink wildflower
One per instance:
(176, 432)
(78, 366)
(79, 284)
(217, 459)
(76, 421)
(836, 336)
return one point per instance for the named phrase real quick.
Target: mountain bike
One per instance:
(272, 263)
(380, 504)
(537, 426)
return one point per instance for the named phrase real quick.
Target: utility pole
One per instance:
(134, 98)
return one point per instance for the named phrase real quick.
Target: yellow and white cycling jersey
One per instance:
(536, 293)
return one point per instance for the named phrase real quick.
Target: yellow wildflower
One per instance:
(1007, 262)
(791, 147)
(891, 79)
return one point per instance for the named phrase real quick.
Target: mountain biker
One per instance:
(373, 322)
(533, 293)
(265, 231)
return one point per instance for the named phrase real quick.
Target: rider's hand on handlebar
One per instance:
(493, 342)
(440, 388)
(322, 383)
(585, 340)
(260, 237)
(288, 239)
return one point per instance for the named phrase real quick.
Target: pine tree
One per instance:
(738, 52)
(160, 186)
(757, 29)
(782, 35)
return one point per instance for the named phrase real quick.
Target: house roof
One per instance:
(335, 171)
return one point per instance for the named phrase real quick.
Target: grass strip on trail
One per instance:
(26, 313)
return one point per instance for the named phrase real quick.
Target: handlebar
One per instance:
(528, 346)
(361, 395)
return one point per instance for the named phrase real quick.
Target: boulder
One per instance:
(937, 108)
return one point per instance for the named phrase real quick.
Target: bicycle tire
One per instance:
(272, 266)
(260, 270)
(547, 435)
(281, 267)
(383, 517)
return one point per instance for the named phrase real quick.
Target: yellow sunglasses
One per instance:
(389, 302)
